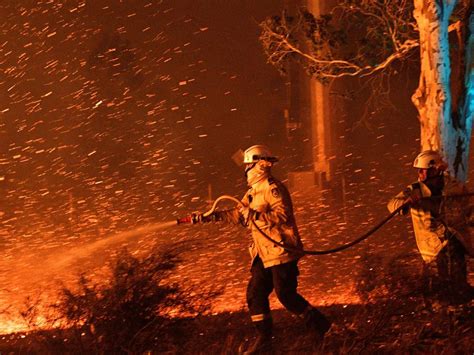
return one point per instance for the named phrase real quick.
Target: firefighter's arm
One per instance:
(234, 215)
(407, 196)
(245, 213)
(230, 216)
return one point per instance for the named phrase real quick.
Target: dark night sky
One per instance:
(103, 93)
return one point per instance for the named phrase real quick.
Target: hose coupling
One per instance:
(193, 218)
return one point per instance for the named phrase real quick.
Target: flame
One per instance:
(18, 325)
(12, 326)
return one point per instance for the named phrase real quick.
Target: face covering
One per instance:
(257, 172)
(435, 183)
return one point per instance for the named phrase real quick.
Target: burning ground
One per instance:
(376, 303)
(366, 284)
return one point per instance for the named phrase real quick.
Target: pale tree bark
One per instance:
(433, 98)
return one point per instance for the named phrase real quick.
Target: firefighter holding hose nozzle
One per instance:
(268, 204)
(441, 227)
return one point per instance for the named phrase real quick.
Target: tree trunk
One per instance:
(466, 101)
(440, 129)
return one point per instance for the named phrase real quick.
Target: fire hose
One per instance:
(193, 218)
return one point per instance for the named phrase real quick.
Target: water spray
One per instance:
(112, 240)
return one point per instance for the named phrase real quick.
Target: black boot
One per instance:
(263, 341)
(316, 323)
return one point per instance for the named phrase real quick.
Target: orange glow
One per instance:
(223, 304)
(9, 326)
(12, 326)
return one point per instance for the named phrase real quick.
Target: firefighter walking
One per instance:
(268, 204)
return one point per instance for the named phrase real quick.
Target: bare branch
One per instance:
(358, 38)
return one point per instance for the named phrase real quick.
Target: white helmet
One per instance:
(258, 152)
(429, 159)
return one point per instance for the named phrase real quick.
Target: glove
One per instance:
(414, 197)
(247, 213)
(201, 218)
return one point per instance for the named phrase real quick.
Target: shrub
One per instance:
(131, 312)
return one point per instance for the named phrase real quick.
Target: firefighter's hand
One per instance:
(247, 213)
(414, 198)
(202, 218)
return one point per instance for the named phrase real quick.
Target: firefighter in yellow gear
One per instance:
(441, 226)
(268, 204)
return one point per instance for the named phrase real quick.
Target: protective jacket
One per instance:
(438, 219)
(271, 202)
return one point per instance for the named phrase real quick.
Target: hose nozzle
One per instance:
(193, 218)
